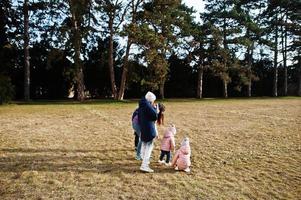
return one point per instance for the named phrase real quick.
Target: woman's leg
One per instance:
(138, 153)
(146, 154)
(136, 140)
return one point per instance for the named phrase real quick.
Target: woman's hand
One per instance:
(156, 106)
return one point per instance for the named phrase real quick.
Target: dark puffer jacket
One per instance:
(147, 117)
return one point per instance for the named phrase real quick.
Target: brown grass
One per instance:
(241, 149)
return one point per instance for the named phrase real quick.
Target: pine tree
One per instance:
(251, 31)
(158, 32)
(70, 33)
(134, 7)
(198, 53)
(222, 17)
(113, 15)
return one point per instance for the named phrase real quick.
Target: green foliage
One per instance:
(6, 89)
(157, 32)
(225, 45)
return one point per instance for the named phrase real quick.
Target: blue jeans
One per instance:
(136, 128)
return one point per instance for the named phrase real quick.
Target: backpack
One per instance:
(135, 113)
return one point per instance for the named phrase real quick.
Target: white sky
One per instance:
(198, 5)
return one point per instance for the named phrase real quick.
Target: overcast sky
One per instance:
(198, 5)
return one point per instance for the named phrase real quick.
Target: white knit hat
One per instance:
(185, 141)
(172, 129)
(150, 97)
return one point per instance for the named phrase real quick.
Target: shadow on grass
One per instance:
(63, 160)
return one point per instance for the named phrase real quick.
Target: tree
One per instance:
(220, 59)
(74, 20)
(134, 7)
(272, 18)
(247, 21)
(113, 14)
(6, 87)
(198, 54)
(293, 25)
(290, 28)
(222, 17)
(157, 34)
(26, 52)
(78, 10)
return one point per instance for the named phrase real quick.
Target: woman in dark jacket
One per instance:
(148, 115)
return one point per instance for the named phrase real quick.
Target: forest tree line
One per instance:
(54, 49)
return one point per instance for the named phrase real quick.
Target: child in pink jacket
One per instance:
(168, 144)
(181, 161)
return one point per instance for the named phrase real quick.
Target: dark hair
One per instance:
(161, 114)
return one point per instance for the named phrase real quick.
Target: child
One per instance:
(160, 121)
(137, 133)
(168, 144)
(181, 161)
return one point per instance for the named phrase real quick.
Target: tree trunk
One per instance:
(200, 82)
(134, 7)
(161, 88)
(225, 88)
(80, 85)
(79, 76)
(299, 88)
(250, 61)
(285, 58)
(124, 71)
(275, 82)
(111, 61)
(26, 53)
(250, 88)
(249, 73)
(225, 44)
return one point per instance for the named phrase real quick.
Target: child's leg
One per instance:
(136, 140)
(161, 155)
(167, 156)
(138, 152)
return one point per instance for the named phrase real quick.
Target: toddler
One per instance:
(168, 144)
(181, 160)
(137, 133)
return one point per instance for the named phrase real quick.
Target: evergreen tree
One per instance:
(157, 34)
(247, 21)
(135, 6)
(222, 16)
(114, 12)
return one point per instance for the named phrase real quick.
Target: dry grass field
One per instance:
(241, 149)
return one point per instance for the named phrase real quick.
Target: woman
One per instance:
(148, 115)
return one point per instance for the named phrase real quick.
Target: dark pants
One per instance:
(163, 153)
(136, 140)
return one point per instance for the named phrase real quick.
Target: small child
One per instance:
(181, 161)
(160, 121)
(168, 144)
(137, 133)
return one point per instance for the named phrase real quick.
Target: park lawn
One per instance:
(241, 149)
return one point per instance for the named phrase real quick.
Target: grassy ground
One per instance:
(241, 149)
